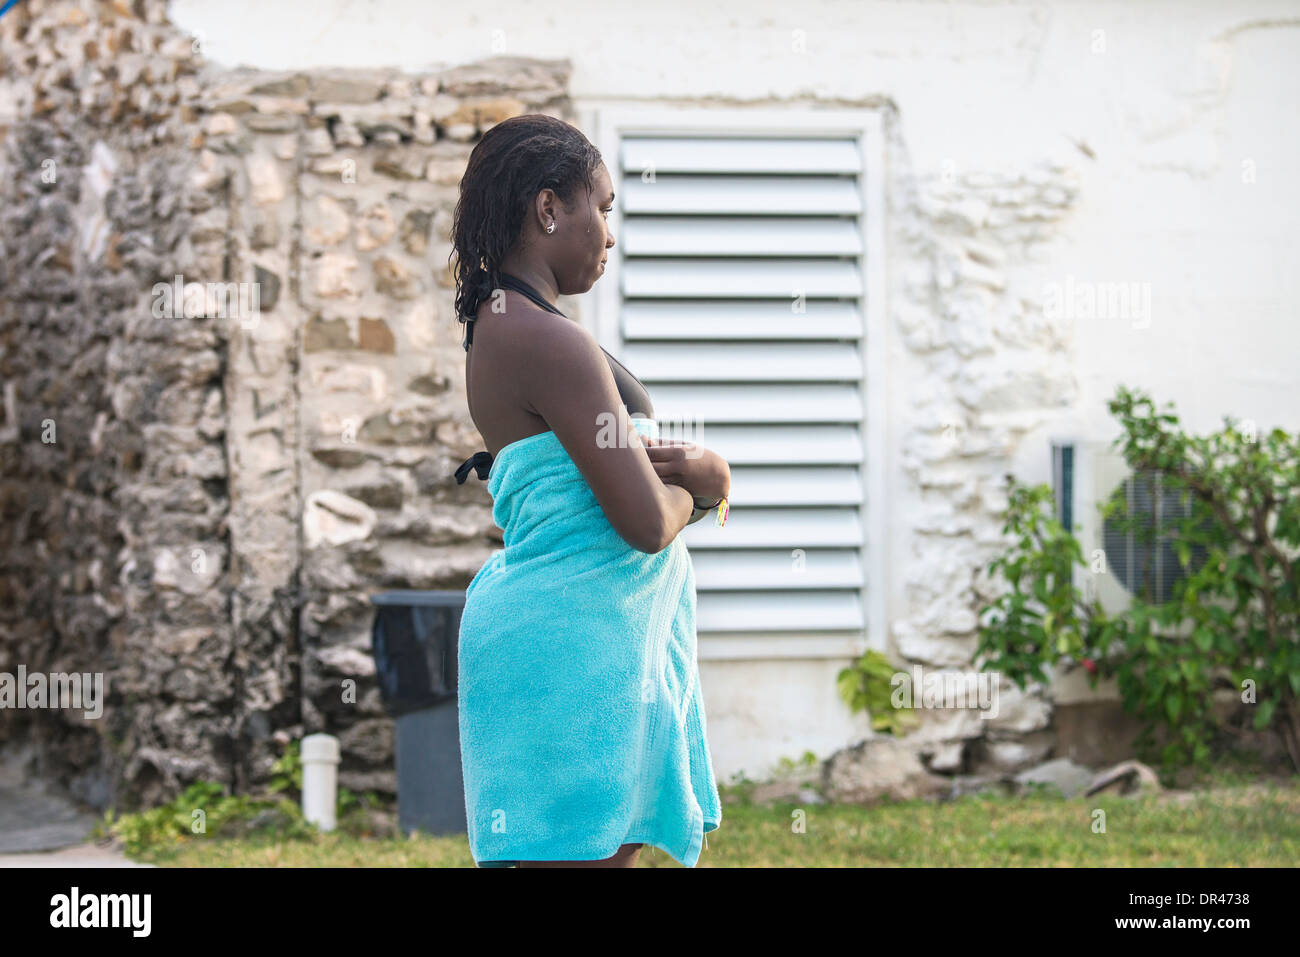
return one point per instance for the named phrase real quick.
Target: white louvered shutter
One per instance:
(719, 237)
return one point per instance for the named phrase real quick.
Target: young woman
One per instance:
(582, 724)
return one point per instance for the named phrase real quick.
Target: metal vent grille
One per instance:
(1146, 563)
(741, 308)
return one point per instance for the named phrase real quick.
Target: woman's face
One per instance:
(582, 236)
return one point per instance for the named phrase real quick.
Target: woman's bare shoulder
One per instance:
(529, 333)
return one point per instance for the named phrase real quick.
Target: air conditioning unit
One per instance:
(1121, 564)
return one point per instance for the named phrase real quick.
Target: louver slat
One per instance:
(739, 196)
(731, 156)
(746, 362)
(822, 485)
(780, 610)
(737, 236)
(763, 569)
(684, 320)
(718, 278)
(759, 403)
(781, 528)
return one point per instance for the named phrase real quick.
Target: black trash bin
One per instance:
(413, 640)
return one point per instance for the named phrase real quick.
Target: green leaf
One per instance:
(1203, 638)
(847, 684)
(1174, 706)
(1265, 714)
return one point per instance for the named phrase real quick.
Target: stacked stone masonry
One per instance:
(227, 481)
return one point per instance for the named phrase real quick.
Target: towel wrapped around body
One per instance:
(581, 720)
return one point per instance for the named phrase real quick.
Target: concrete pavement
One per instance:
(80, 855)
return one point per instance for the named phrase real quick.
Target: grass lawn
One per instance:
(1238, 824)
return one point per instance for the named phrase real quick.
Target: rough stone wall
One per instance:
(114, 466)
(225, 486)
(983, 369)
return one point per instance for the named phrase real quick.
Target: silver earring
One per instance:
(550, 228)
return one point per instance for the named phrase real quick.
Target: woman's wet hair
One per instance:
(511, 163)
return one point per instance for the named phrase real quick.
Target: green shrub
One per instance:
(1234, 621)
(204, 809)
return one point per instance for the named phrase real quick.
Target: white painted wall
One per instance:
(1180, 104)
(1183, 95)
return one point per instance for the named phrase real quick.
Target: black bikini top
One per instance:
(634, 394)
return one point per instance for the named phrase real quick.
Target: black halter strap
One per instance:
(481, 462)
(518, 285)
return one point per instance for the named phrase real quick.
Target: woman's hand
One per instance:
(702, 472)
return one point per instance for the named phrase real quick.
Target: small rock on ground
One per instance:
(1072, 779)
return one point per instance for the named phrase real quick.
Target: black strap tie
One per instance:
(481, 462)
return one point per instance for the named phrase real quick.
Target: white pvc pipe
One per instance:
(320, 777)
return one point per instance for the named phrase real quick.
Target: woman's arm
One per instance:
(565, 378)
(702, 471)
(705, 473)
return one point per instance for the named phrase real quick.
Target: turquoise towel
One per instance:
(581, 720)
